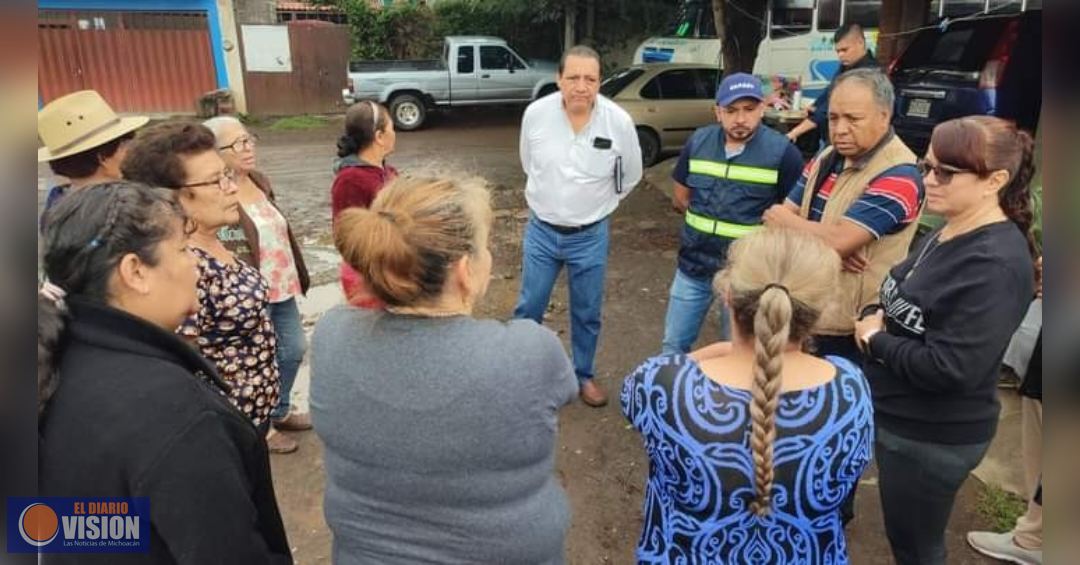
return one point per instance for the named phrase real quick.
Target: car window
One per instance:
(791, 17)
(828, 15)
(709, 79)
(865, 13)
(677, 84)
(494, 57)
(614, 84)
(964, 46)
(465, 64)
(651, 90)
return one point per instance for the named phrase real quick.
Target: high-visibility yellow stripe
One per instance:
(742, 173)
(718, 227)
(753, 174)
(711, 168)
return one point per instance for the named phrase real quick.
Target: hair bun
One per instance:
(347, 145)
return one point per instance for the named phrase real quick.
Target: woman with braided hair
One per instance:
(754, 444)
(946, 317)
(126, 407)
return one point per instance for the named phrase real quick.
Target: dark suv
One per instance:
(990, 64)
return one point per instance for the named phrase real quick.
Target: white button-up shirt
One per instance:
(571, 181)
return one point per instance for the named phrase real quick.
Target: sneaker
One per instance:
(1001, 546)
(278, 442)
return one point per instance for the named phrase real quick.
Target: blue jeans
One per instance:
(688, 303)
(544, 252)
(918, 481)
(291, 346)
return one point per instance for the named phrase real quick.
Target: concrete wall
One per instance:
(230, 42)
(256, 11)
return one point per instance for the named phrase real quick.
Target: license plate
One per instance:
(918, 108)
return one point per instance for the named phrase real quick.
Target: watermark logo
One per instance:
(78, 525)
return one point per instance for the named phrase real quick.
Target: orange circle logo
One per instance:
(38, 524)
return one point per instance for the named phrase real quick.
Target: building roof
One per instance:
(297, 6)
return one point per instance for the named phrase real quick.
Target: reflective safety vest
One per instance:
(727, 196)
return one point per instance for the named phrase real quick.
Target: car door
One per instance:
(463, 75)
(497, 74)
(680, 102)
(521, 77)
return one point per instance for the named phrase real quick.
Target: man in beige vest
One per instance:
(862, 195)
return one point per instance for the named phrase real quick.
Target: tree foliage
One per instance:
(533, 27)
(399, 31)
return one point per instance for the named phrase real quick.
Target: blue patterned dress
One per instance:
(700, 484)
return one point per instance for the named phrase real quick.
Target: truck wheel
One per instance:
(650, 146)
(408, 112)
(546, 89)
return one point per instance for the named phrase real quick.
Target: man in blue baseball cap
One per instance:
(728, 174)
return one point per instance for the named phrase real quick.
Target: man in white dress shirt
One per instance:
(581, 154)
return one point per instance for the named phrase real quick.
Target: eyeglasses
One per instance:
(242, 144)
(942, 173)
(227, 178)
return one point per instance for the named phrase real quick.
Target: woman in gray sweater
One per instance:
(439, 429)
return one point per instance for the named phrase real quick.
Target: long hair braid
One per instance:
(772, 325)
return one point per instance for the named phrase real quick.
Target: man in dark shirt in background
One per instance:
(853, 53)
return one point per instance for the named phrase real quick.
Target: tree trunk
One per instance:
(590, 20)
(721, 33)
(570, 29)
(742, 30)
(898, 16)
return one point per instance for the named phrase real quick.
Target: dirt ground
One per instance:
(600, 461)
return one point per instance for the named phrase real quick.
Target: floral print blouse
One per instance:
(233, 330)
(275, 254)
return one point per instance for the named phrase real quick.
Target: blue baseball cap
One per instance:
(736, 86)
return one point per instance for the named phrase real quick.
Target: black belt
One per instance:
(567, 230)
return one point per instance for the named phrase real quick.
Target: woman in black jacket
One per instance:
(126, 407)
(947, 314)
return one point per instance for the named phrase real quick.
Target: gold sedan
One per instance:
(667, 101)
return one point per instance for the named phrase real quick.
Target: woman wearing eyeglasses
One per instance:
(359, 174)
(264, 240)
(947, 313)
(232, 327)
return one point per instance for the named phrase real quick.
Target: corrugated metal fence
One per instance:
(139, 61)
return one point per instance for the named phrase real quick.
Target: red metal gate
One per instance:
(139, 61)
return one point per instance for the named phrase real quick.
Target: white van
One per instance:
(798, 43)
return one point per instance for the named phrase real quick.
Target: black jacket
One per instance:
(934, 371)
(138, 412)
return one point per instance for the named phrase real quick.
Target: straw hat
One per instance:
(80, 121)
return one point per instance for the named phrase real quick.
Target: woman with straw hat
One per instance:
(84, 141)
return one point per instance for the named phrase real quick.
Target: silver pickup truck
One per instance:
(482, 70)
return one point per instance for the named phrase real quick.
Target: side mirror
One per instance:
(510, 64)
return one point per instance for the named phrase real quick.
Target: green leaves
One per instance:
(399, 31)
